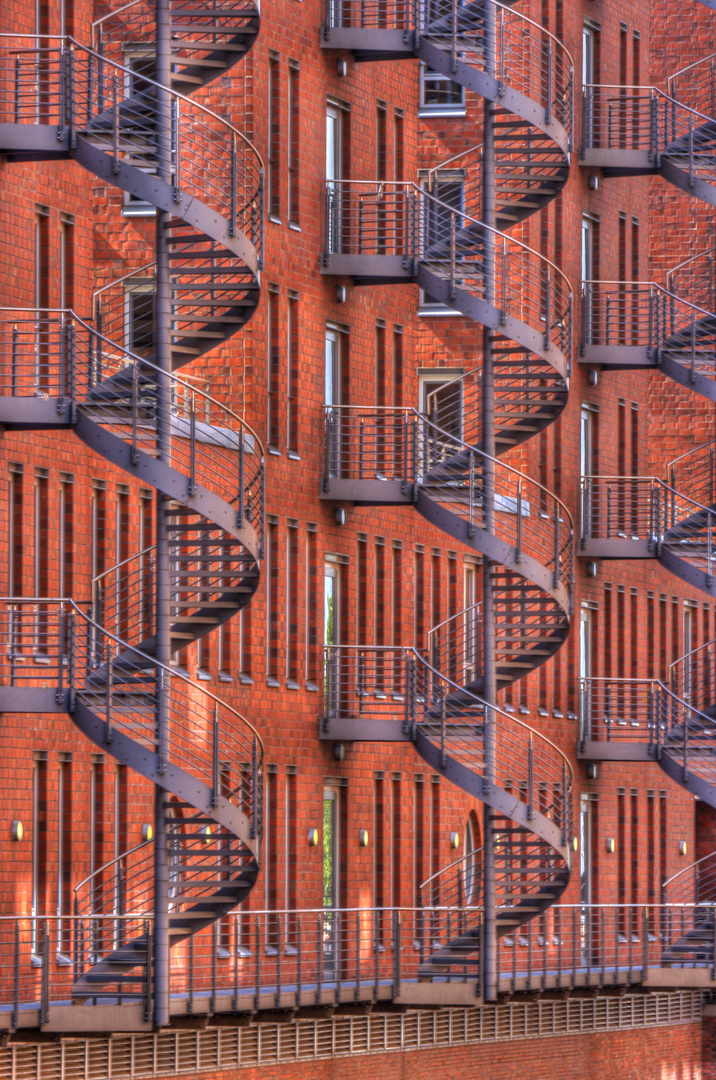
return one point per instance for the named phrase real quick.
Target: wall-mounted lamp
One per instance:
(593, 182)
(341, 68)
(592, 771)
(455, 840)
(313, 837)
(363, 838)
(591, 569)
(575, 843)
(341, 294)
(147, 832)
(339, 515)
(17, 830)
(206, 833)
(593, 378)
(683, 847)
(610, 845)
(339, 751)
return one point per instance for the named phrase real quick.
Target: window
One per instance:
(67, 234)
(292, 605)
(293, 145)
(66, 530)
(332, 381)
(448, 188)
(39, 847)
(273, 367)
(16, 538)
(585, 662)
(586, 463)
(40, 550)
(331, 604)
(272, 609)
(312, 586)
(331, 876)
(439, 95)
(274, 141)
(471, 872)
(335, 170)
(64, 857)
(441, 399)
(292, 376)
(139, 317)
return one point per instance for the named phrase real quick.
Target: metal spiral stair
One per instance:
(458, 735)
(647, 517)
(688, 930)
(397, 232)
(61, 100)
(532, 87)
(634, 131)
(644, 325)
(210, 762)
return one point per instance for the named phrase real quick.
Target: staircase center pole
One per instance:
(489, 968)
(162, 336)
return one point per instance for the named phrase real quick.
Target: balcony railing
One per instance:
(291, 958)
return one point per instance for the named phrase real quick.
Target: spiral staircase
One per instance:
(102, 108)
(380, 233)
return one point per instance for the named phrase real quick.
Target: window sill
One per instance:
(293, 455)
(225, 677)
(275, 220)
(292, 225)
(558, 714)
(274, 450)
(291, 684)
(62, 960)
(542, 712)
(312, 687)
(273, 682)
(245, 680)
(425, 112)
(438, 313)
(203, 676)
(523, 710)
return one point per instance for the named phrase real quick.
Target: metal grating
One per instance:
(173, 1053)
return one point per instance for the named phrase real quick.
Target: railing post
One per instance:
(396, 953)
(550, 76)
(530, 779)
(452, 252)
(518, 555)
(176, 144)
(108, 733)
(692, 372)
(60, 690)
(232, 193)
(691, 150)
(242, 480)
(548, 311)
(45, 998)
(15, 979)
(215, 780)
(135, 413)
(115, 126)
(255, 797)
(192, 447)
(645, 944)
(471, 506)
(453, 44)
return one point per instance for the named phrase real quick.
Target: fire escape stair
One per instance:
(215, 538)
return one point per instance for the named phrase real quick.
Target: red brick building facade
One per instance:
(356, 665)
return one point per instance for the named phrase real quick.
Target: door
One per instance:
(585, 668)
(585, 875)
(331, 919)
(331, 624)
(588, 277)
(586, 451)
(334, 153)
(331, 397)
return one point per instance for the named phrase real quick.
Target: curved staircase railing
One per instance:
(205, 40)
(209, 761)
(103, 108)
(694, 279)
(641, 324)
(392, 232)
(533, 71)
(642, 516)
(460, 735)
(642, 129)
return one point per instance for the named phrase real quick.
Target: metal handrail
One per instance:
(654, 91)
(337, 182)
(144, 79)
(112, 862)
(689, 67)
(686, 869)
(412, 651)
(152, 661)
(455, 441)
(652, 285)
(694, 450)
(455, 862)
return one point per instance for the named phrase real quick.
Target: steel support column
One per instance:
(162, 337)
(489, 967)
